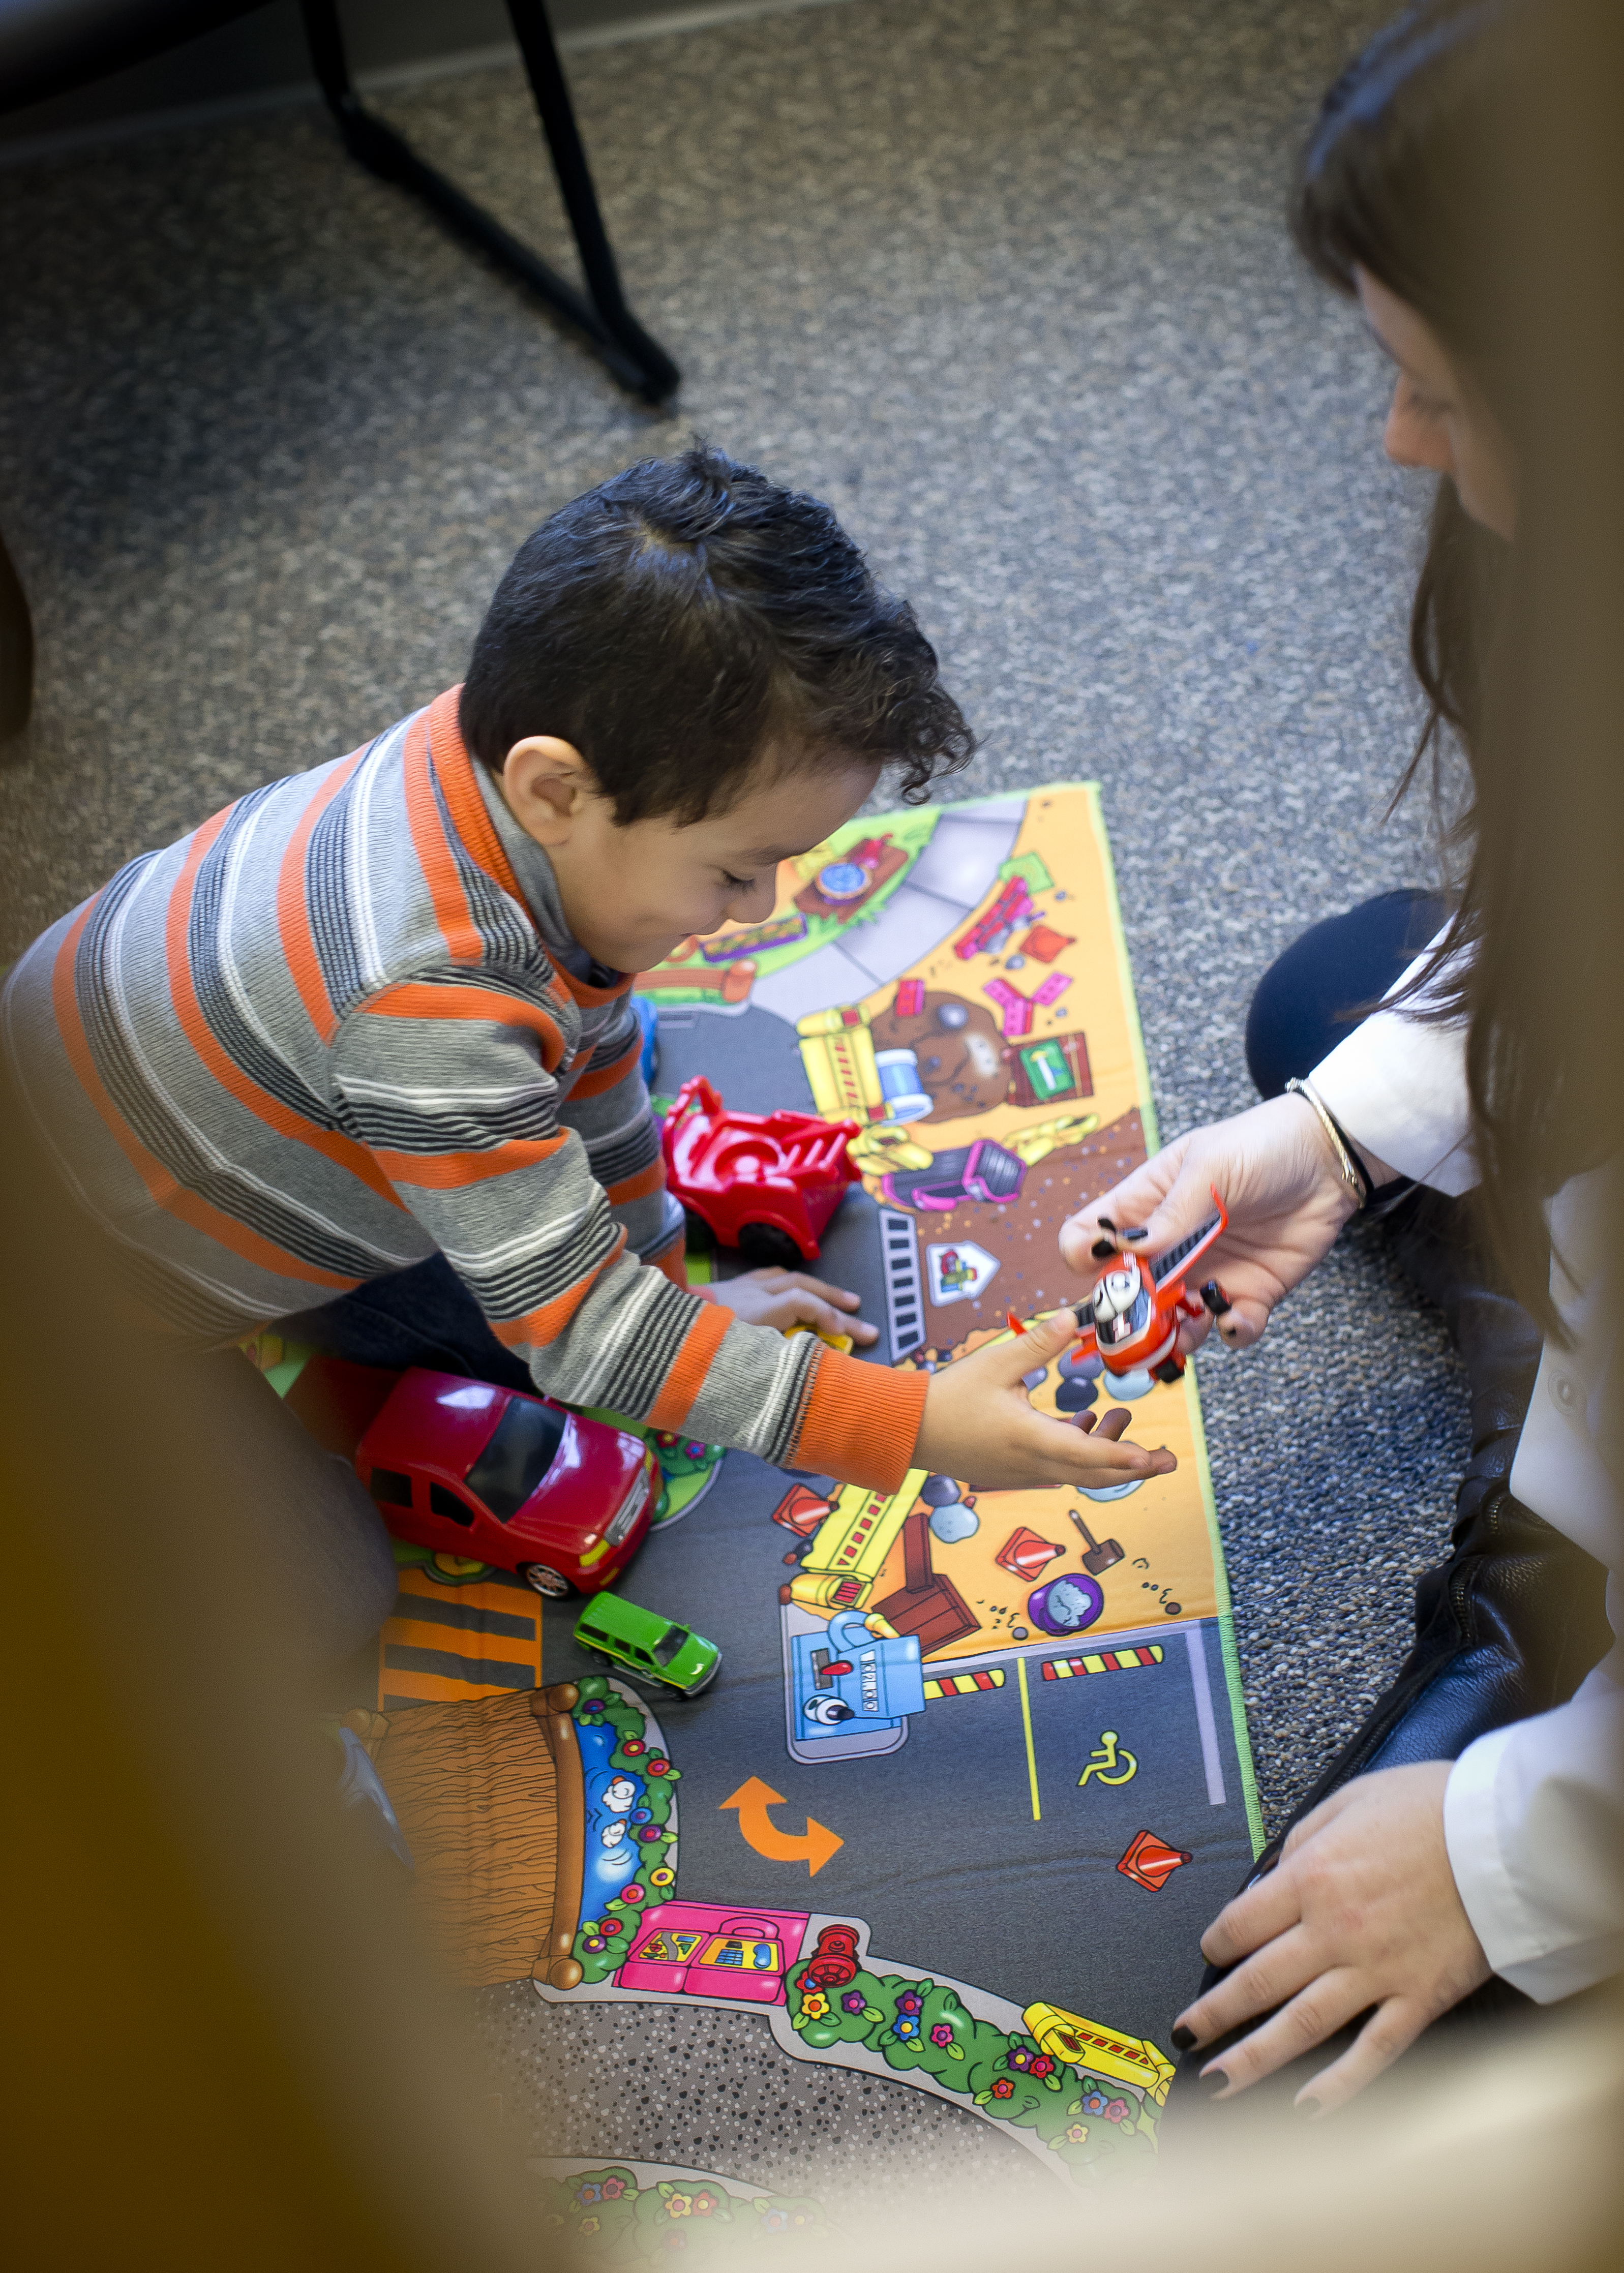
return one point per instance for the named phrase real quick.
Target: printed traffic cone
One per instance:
(1150, 1861)
(1023, 1555)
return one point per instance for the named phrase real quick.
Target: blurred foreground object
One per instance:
(1503, 2166)
(223, 2046)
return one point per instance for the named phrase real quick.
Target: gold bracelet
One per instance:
(1352, 1174)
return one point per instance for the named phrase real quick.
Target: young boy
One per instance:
(369, 1027)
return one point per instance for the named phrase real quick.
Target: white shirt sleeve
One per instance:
(1397, 1085)
(1533, 1813)
(1534, 1823)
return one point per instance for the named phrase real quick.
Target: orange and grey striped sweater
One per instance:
(342, 1024)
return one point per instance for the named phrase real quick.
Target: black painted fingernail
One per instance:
(1183, 2038)
(1308, 2107)
(1136, 1235)
(1213, 2082)
(1100, 1248)
(1105, 1223)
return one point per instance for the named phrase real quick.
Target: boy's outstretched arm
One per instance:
(981, 1428)
(450, 1088)
(449, 1084)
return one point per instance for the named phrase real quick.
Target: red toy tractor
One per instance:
(765, 1183)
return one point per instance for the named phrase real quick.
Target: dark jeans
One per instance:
(1513, 1621)
(423, 1316)
(1315, 994)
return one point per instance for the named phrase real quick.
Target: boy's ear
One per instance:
(546, 782)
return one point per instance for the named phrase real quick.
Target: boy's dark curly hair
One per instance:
(681, 622)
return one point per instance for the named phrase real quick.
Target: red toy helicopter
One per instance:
(1132, 1320)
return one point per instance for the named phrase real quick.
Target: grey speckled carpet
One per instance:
(1006, 281)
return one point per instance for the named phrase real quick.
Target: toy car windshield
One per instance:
(522, 1450)
(668, 1644)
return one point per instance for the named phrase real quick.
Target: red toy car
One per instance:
(765, 1183)
(465, 1468)
(1132, 1320)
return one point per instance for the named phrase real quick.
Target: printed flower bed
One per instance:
(606, 1934)
(605, 2214)
(1100, 2129)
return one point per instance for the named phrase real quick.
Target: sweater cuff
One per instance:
(860, 1423)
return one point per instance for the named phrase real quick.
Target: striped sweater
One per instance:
(336, 1028)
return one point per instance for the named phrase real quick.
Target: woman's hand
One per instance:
(981, 1427)
(1278, 1176)
(789, 1298)
(1361, 1910)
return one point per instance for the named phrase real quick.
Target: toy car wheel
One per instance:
(765, 1248)
(545, 1580)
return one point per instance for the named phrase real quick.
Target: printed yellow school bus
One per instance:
(837, 1049)
(850, 1546)
(1084, 2043)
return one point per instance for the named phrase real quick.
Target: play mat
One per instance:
(987, 1880)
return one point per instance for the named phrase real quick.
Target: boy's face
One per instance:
(632, 893)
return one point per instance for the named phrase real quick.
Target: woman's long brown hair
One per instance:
(1434, 165)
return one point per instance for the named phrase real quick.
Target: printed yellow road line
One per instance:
(1026, 1723)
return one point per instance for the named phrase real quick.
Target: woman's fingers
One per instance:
(1150, 1201)
(1244, 1323)
(1278, 1970)
(1320, 2005)
(1362, 1914)
(1390, 2031)
(1270, 1907)
(1284, 1198)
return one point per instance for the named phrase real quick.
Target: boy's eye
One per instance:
(739, 883)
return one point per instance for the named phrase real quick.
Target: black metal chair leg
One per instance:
(15, 651)
(621, 343)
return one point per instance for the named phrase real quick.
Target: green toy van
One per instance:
(650, 1647)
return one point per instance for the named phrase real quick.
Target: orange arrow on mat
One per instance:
(814, 1848)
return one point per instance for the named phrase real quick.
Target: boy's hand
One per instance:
(980, 1429)
(789, 1298)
